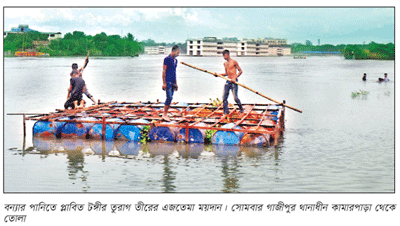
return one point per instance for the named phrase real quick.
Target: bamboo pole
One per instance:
(24, 122)
(103, 122)
(244, 86)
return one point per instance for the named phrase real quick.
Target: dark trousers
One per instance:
(170, 93)
(234, 87)
(70, 102)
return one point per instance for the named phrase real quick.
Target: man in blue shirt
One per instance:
(169, 78)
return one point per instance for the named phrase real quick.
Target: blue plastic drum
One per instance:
(195, 135)
(77, 129)
(163, 133)
(130, 132)
(228, 137)
(96, 131)
(47, 129)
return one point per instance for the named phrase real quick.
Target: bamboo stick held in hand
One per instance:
(242, 85)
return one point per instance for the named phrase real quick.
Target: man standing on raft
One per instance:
(169, 78)
(231, 66)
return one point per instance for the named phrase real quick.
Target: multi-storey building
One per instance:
(211, 46)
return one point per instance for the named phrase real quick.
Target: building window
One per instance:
(242, 48)
(242, 43)
(198, 47)
(191, 42)
(198, 42)
(191, 47)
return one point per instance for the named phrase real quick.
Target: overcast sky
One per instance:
(330, 25)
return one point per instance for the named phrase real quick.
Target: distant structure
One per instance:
(23, 28)
(156, 50)
(211, 46)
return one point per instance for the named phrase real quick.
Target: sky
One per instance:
(340, 25)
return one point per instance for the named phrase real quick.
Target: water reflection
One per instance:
(164, 150)
(75, 166)
(230, 157)
(193, 150)
(230, 166)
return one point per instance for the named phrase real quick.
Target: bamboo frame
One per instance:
(152, 111)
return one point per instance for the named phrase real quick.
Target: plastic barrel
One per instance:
(275, 111)
(161, 133)
(130, 132)
(227, 137)
(257, 139)
(195, 135)
(96, 131)
(47, 129)
(77, 129)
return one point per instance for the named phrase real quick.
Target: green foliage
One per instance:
(145, 135)
(215, 102)
(77, 44)
(15, 42)
(209, 135)
(373, 50)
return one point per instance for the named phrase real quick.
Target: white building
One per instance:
(155, 50)
(211, 46)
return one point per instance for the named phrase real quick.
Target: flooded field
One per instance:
(340, 143)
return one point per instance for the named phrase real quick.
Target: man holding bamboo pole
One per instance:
(231, 66)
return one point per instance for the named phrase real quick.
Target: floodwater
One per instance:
(339, 143)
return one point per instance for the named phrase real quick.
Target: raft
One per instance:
(258, 125)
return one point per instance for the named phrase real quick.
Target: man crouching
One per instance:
(75, 90)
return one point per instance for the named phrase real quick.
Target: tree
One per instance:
(130, 37)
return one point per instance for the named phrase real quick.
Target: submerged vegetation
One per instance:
(359, 93)
(372, 50)
(145, 135)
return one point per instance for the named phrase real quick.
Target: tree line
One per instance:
(76, 44)
(372, 50)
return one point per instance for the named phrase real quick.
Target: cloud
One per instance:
(178, 24)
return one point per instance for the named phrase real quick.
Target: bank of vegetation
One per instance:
(372, 50)
(74, 44)
(78, 43)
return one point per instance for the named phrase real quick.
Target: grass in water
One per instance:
(359, 93)
(145, 135)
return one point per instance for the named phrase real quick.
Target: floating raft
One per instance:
(259, 124)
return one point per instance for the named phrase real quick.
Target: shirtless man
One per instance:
(231, 66)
